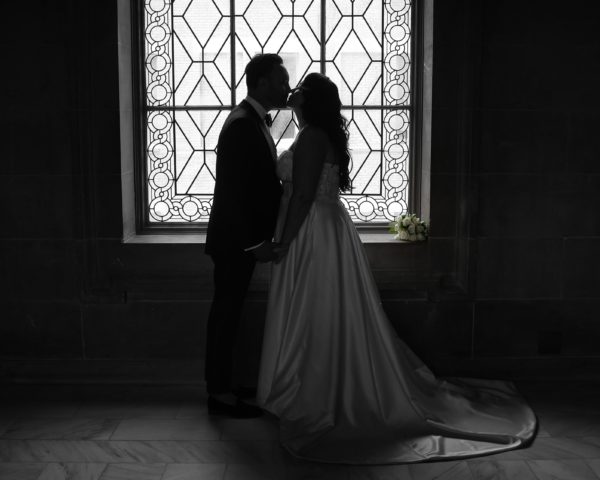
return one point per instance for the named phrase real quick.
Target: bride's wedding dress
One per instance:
(345, 388)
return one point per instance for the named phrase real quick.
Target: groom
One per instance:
(242, 221)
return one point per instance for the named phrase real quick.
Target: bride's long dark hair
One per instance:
(322, 108)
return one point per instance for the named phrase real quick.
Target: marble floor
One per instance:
(151, 433)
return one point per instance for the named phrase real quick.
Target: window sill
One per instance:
(200, 238)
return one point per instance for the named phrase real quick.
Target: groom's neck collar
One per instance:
(257, 106)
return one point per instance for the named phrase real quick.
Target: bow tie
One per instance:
(268, 120)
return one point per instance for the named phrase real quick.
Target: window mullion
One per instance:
(323, 34)
(232, 48)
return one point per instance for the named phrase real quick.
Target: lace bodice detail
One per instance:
(329, 182)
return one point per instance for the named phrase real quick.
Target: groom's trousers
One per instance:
(232, 274)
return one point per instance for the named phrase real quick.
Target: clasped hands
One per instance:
(270, 252)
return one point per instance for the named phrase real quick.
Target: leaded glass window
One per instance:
(195, 52)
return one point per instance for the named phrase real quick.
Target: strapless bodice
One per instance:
(329, 182)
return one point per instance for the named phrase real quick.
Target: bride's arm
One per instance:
(309, 156)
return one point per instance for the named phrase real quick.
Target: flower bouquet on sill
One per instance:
(410, 228)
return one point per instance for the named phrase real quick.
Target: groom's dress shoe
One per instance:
(239, 410)
(245, 392)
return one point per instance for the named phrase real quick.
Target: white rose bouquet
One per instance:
(409, 227)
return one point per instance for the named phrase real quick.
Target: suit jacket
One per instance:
(247, 190)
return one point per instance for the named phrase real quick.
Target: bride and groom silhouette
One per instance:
(345, 388)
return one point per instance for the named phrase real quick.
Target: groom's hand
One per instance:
(265, 253)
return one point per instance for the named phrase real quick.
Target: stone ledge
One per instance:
(368, 236)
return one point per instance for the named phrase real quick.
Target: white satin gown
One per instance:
(346, 389)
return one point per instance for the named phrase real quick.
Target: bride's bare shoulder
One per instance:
(313, 139)
(309, 136)
(313, 133)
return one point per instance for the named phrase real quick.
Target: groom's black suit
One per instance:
(244, 213)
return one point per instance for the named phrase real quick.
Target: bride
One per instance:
(346, 389)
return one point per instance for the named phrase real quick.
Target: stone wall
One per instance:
(508, 284)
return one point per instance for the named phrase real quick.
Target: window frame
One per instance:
(135, 196)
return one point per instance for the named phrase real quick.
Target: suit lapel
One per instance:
(261, 125)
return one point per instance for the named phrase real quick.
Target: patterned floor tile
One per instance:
(570, 424)
(144, 432)
(594, 464)
(133, 471)
(204, 471)
(128, 409)
(192, 410)
(542, 432)
(253, 451)
(167, 429)
(119, 451)
(255, 471)
(70, 471)
(441, 471)
(384, 472)
(562, 470)
(310, 471)
(249, 429)
(65, 429)
(549, 448)
(21, 471)
(501, 470)
(58, 451)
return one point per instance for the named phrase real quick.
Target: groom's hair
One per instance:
(260, 66)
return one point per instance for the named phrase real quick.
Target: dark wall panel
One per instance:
(511, 269)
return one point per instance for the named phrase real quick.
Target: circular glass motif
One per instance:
(399, 33)
(157, 5)
(161, 208)
(395, 180)
(398, 62)
(160, 150)
(397, 122)
(367, 208)
(190, 209)
(396, 151)
(161, 180)
(158, 63)
(159, 92)
(160, 121)
(158, 33)
(399, 6)
(395, 209)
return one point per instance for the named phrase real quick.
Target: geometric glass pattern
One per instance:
(195, 52)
